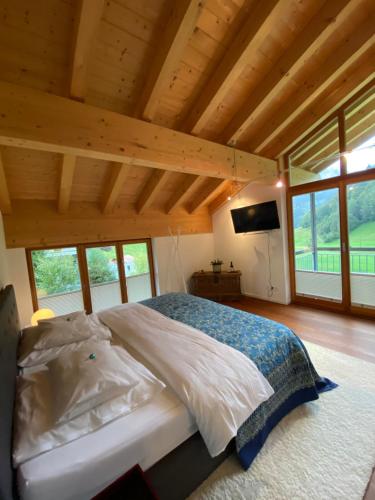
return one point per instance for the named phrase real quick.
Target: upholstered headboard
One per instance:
(9, 335)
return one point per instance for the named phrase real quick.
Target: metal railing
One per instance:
(328, 259)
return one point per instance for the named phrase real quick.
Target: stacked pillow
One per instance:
(52, 337)
(84, 382)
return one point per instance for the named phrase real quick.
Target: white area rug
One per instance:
(323, 450)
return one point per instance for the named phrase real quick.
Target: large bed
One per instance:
(162, 435)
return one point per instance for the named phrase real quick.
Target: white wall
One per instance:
(249, 252)
(196, 251)
(4, 279)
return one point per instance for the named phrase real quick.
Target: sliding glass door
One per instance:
(104, 279)
(317, 247)
(331, 206)
(91, 277)
(361, 226)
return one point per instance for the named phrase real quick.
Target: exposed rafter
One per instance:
(66, 182)
(207, 193)
(229, 192)
(236, 58)
(153, 186)
(87, 22)
(181, 22)
(182, 194)
(356, 125)
(5, 203)
(356, 78)
(119, 172)
(315, 34)
(334, 66)
(38, 120)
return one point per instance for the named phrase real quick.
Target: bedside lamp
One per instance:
(41, 314)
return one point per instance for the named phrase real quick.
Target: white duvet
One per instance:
(220, 386)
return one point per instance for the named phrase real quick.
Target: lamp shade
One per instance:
(41, 314)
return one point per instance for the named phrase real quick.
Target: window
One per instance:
(317, 157)
(360, 134)
(91, 277)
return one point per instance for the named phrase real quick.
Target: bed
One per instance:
(171, 445)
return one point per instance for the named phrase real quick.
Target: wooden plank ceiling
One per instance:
(246, 78)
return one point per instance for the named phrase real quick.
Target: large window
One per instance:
(331, 202)
(91, 277)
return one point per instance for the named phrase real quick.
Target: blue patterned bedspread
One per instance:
(278, 353)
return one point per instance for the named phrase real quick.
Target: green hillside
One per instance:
(361, 236)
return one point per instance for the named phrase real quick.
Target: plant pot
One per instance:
(216, 268)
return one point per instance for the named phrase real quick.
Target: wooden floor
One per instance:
(348, 334)
(340, 332)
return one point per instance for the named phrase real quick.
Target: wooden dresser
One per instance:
(216, 286)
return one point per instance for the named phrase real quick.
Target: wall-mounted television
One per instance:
(260, 217)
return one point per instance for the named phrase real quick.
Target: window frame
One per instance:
(83, 268)
(341, 181)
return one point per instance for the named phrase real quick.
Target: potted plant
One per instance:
(216, 265)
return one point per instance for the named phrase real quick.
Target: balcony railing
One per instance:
(328, 260)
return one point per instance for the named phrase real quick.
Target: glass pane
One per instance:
(316, 224)
(137, 271)
(317, 158)
(361, 225)
(360, 133)
(57, 280)
(103, 277)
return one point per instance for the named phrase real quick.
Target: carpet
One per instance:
(322, 450)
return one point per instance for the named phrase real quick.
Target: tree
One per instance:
(100, 268)
(57, 274)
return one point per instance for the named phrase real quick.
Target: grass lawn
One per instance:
(330, 261)
(362, 236)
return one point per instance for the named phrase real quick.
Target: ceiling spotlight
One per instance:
(229, 198)
(279, 183)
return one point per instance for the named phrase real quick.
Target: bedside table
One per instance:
(216, 286)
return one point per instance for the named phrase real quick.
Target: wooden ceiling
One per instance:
(242, 76)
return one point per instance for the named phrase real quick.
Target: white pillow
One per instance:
(63, 331)
(92, 375)
(35, 427)
(29, 356)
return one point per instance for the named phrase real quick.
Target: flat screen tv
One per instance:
(260, 217)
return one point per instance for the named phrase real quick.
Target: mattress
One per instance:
(82, 468)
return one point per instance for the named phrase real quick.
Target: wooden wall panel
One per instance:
(36, 223)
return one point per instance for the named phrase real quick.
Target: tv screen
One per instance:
(261, 217)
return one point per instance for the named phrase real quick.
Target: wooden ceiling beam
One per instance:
(253, 32)
(229, 192)
(5, 203)
(314, 35)
(183, 192)
(207, 194)
(332, 69)
(87, 22)
(330, 142)
(354, 138)
(181, 23)
(66, 182)
(119, 172)
(36, 223)
(152, 188)
(360, 76)
(38, 120)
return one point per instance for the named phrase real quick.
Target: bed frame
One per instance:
(174, 477)
(9, 336)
